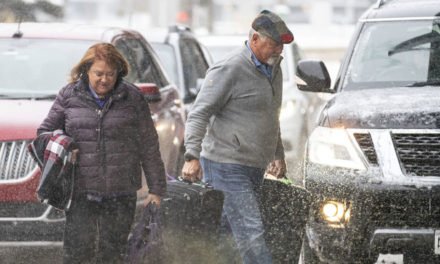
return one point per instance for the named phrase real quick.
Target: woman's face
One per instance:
(102, 77)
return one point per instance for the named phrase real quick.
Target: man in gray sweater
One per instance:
(233, 131)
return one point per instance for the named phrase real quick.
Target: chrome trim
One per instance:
(387, 159)
(4, 244)
(397, 19)
(422, 231)
(25, 178)
(16, 162)
(43, 218)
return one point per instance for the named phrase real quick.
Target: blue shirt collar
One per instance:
(254, 58)
(265, 69)
(96, 96)
(99, 100)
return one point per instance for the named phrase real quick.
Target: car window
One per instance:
(32, 67)
(133, 73)
(194, 64)
(145, 69)
(385, 50)
(167, 56)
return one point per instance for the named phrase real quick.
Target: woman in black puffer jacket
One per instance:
(111, 123)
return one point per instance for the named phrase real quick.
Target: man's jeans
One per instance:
(240, 185)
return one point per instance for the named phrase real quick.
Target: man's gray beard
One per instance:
(272, 60)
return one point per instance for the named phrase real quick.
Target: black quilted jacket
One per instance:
(115, 142)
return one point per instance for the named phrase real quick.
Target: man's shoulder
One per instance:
(238, 56)
(237, 59)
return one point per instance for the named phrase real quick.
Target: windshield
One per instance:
(395, 53)
(37, 67)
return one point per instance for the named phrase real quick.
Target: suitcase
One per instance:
(191, 215)
(284, 209)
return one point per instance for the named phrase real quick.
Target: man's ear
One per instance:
(255, 36)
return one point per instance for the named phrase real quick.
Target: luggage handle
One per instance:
(284, 179)
(198, 183)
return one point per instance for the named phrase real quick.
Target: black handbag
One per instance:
(145, 243)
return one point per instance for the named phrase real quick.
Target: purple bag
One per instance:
(145, 244)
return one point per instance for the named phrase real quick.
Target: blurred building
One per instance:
(215, 16)
(12, 11)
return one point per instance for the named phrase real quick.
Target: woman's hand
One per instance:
(152, 198)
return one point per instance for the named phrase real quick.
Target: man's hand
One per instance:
(152, 198)
(277, 168)
(192, 171)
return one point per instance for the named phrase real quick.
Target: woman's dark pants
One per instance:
(97, 231)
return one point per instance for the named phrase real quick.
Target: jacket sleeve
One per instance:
(55, 118)
(214, 94)
(149, 151)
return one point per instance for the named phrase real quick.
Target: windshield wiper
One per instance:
(410, 44)
(425, 83)
(13, 97)
(28, 97)
(45, 97)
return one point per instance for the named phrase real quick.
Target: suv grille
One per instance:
(366, 144)
(419, 154)
(15, 160)
(410, 208)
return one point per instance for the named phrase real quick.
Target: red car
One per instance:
(35, 60)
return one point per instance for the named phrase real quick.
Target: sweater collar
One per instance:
(262, 67)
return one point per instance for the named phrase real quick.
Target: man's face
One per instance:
(102, 77)
(265, 49)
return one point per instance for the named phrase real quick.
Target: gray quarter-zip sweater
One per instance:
(235, 118)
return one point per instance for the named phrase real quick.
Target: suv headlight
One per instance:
(334, 147)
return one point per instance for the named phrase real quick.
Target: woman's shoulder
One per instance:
(69, 88)
(129, 91)
(129, 88)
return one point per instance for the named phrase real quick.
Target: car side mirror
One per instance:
(312, 75)
(150, 91)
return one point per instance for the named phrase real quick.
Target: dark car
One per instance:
(185, 59)
(35, 61)
(373, 163)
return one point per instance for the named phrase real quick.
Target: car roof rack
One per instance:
(179, 28)
(380, 3)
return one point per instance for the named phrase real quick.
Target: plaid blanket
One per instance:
(53, 151)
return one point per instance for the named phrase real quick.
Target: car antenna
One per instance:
(18, 34)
